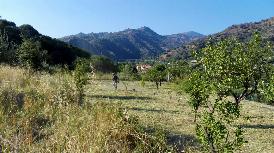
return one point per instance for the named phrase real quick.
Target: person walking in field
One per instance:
(115, 80)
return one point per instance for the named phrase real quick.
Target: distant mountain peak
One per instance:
(145, 28)
(137, 43)
(193, 33)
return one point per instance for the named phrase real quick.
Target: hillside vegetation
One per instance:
(178, 106)
(242, 32)
(56, 51)
(142, 43)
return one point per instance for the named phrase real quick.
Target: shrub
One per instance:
(81, 77)
(31, 54)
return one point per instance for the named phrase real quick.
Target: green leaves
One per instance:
(31, 54)
(81, 77)
(156, 74)
(226, 68)
(7, 50)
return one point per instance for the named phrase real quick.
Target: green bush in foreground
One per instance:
(82, 67)
(229, 71)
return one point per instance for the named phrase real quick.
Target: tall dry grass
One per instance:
(39, 113)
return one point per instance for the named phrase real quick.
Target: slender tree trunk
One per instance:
(210, 141)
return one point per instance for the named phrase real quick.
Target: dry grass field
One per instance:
(39, 114)
(169, 110)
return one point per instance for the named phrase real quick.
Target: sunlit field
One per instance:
(42, 116)
(169, 110)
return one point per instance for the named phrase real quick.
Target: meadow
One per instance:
(39, 113)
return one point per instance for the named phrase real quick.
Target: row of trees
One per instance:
(158, 73)
(225, 73)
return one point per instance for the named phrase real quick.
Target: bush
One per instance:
(31, 55)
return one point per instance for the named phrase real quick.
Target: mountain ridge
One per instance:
(137, 43)
(243, 32)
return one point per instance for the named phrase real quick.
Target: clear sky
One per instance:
(59, 18)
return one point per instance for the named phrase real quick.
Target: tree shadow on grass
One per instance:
(153, 110)
(258, 126)
(121, 97)
(180, 142)
(183, 142)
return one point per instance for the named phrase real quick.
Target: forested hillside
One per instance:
(130, 44)
(242, 32)
(45, 49)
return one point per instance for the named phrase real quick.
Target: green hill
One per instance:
(59, 53)
(241, 31)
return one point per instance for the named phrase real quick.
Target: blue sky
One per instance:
(58, 18)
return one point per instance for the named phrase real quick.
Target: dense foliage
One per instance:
(7, 50)
(178, 70)
(157, 74)
(82, 68)
(12, 37)
(228, 68)
(31, 55)
(128, 71)
(103, 64)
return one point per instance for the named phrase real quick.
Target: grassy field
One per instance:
(169, 110)
(39, 113)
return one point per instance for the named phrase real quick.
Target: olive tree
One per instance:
(156, 74)
(228, 72)
(178, 70)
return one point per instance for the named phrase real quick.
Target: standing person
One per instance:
(115, 80)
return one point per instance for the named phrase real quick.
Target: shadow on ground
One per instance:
(258, 126)
(182, 142)
(153, 110)
(121, 97)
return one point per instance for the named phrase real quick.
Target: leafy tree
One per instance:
(227, 68)
(156, 74)
(266, 91)
(103, 64)
(30, 54)
(7, 50)
(178, 70)
(130, 72)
